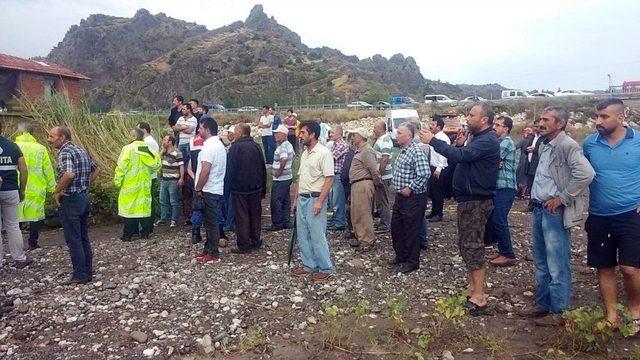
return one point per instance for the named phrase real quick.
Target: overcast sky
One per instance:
(519, 44)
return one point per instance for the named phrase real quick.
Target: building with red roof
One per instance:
(37, 80)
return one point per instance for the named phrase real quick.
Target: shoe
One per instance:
(300, 272)
(381, 230)
(550, 320)
(200, 255)
(188, 223)
(236, 250)
(126, 239)
(73, 281)
(536, 312)
(173, 224)
(33, 247)
(195, 236)
(23, 263)
(208, 259)
(162, 223)
(320, 276)
(393, 262)
(436, 218)
(335, 228)
(221, 232)
(424, 247)
(354, 243)
(364, 248)
(406, 268)
(430, 216)
(145, 237)
(274, 228)
(223, 243)
(475, 309)
(492, 255)
(503, 261)
(256, 247)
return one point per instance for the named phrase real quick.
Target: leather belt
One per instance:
(310, 195)
(363, 179)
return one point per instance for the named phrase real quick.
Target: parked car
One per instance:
(359, 105)
(572, 92)
(402, 100)
(438, 99)
(396, 117)
(515, 94)
(541, 94)
(217, 107)
(248, 108)
(381, 105)
(474, 99)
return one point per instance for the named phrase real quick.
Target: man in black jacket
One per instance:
(474, 186)
(532, 145)
(248, 188)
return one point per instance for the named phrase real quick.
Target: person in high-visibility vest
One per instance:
(40, 182)
(136, 163)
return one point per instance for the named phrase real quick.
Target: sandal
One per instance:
(475, 309)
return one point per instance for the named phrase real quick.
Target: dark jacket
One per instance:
(246, 171)
(532, 165)
(476, 165)
(174, 116)
(344, 174)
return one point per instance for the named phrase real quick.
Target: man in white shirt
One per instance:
(152, 144)
(186, 126)
(438, 164)
(212, 163)
(265, 125)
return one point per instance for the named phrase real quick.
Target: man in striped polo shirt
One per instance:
(282, 177)
(172, 178)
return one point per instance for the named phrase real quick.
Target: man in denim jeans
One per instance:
(562, 176)
(310, 204)
(212, 164)
(172, 179)
(76, 170)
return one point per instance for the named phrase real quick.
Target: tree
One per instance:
(376, 93)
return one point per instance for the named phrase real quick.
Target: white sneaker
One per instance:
(173, 224)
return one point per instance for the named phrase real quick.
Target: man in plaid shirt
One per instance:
(497, 229)
(338, 200)
(410, 176)
(76, 169)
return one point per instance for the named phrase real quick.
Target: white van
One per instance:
(515, 94)
(396, 117)
(438, 99)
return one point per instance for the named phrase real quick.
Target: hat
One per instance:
(360, 131)
(281, 129)
(231, 129)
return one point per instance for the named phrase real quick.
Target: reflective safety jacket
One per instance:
(41, 178)
(133, 177)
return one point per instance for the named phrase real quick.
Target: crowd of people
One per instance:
(219, 179)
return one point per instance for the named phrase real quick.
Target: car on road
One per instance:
(515, 94)
(359, 105)
(438, 99)
(541, 94)
(572, 92)
(380, 105)
(396, 117)
(402, 101)
(474, 99)
(248, 108)
(217, 107)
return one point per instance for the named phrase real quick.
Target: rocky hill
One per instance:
(142, 62)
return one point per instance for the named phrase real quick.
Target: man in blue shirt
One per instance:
(613, 226)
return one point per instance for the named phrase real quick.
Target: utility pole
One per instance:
(610, 90)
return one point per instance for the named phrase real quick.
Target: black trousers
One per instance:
(210, 220)
(405, 227)
(147, 223)
(436, 193)
(135, 226)
(247, 213)
(280, 203)
(34, 232)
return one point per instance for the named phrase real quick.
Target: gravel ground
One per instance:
(151, 299)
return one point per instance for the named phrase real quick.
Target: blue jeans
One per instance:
(229, 223)
(552, 258)
(74, 215)
(338, 201)
(196, 219)
(269, 146)
(498, 224)
(314, 249)
(423, 235)
(186, 154)
(169, 200)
